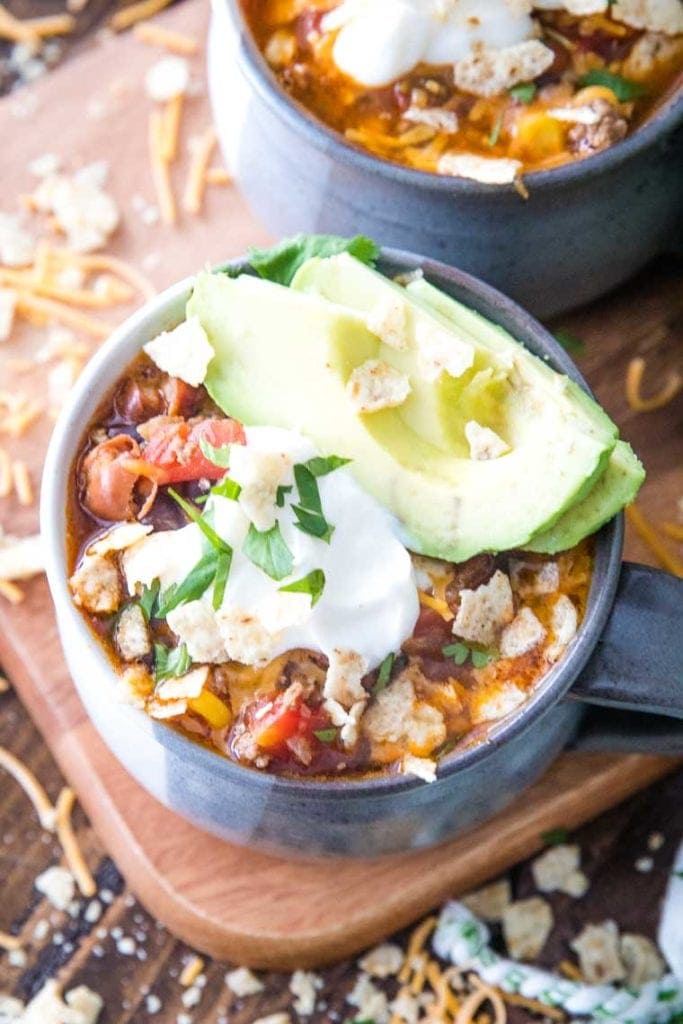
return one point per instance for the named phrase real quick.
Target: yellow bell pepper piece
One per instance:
(212, 708)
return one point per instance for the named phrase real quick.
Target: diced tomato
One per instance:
(175, 452)
(273, 727)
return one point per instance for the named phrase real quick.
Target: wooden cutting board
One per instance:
(229, 902)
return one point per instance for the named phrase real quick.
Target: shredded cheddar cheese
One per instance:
(50, 25)
(673, 530)
(570, 970)
(634, 379)
(649, 535)
(174, 42)
(196, 179)
(70, 296)
(37, 309)
(515, 999)
(173, 112)
(6, 479)
(31, 787)
(473, 1002)
(22, 482)
(67, 837)
(160, 168)
(15, 30)
(416, 942)
(9, 942)
(11, 592)
(217, 176)
(191, 971)
(436, 604)
(99, 261)
(134, 13)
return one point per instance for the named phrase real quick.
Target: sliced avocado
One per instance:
(615, 489)
(283, 358)
(583, 411)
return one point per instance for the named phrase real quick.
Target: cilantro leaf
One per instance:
(282, 491)
(170, 661)
(322, 465)
(148, 600)
(267, 549)
(309, 513)
(227, 488)
(223, 563)
(313, 584)
(218, 456)
(623, 88)
(192, 513)
(458, 652)
(480, 659)
(313, 523)
(197, 581)
(569, 342)
(281, 263)
(384, 674)
(524, 92)
(326, 735)
(555, 836)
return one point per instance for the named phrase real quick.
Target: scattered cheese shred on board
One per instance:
(217, 176)
(634, 379)
(31, 787)
(160, 169)
(196, 179)
(483, 994)
(416, 942)
(9, 942)
(191, 971)
(136, 12)
(67, 837)
(99, 261)
(436, 604)
(173, 112)
(32, 306)
(11, 592)
(174, 42)
(6, 480)
(649, 535)
(50, 25)
(673, 530)
(15, 30)
(22, 482)
(69, 296)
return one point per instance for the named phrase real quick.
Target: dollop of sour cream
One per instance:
(381, 40)
(369, 602)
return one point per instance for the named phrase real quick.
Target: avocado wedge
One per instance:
(615, 489)
(283, 358)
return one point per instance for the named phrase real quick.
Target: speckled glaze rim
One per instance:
(554, 686)
(300, 120)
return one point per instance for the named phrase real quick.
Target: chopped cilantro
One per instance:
(308, 512)
(218, 456)
(148, 600)
(170, 661)
(460, 652)
(569, 341)
(313, 584)
(384, 674)
(524, 92)
(678, 874)
(322, 465)
(223, 563)
(281, 263)
(192, 513)
(267, 549)
(197, 581)
(667, 994)
(555, 837)
(326, 735)
(281, 493)
(623, 88)
(227, 488)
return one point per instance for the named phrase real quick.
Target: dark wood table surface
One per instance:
(77, 951)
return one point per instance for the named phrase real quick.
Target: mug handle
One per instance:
(637, 664)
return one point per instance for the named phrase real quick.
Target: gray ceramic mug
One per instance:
(628, 654)
(586, 226)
